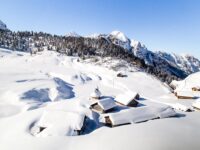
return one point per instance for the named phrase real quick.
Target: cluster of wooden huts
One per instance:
(69, 123)
(57, 122)
(103, 105)
(110, 116)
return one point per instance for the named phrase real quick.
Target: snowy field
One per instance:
(50, 89)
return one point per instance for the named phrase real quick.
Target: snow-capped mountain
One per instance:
(115, 44)
(3, 26)
(141, 52)
(188, 63)
(116, 37)
(120, 39)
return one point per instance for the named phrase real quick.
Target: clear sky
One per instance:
(168, 25)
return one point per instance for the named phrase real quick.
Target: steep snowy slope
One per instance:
(49, 81)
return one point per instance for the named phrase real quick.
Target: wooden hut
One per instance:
(128, 99)
(184, 95)
(136, 115)
(120, 74)
(59, 123)
(103, 106)
(197, 88)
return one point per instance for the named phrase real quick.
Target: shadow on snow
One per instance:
(37, 97)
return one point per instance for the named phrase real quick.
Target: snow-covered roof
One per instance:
(198, 87)
(126, 98)
(121, 72)
(60, 122)
(106, 103)
(141, 114)
(185, 93)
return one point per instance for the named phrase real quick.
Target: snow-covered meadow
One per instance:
(32, 87)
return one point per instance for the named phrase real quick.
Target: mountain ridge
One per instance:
(165, 66)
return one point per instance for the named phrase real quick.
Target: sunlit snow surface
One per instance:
(32, 85)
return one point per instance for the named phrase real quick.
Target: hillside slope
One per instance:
(49, 81)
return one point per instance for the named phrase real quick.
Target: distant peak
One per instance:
(119, 35)
(72, 34)
(135, 43)
(186, 55)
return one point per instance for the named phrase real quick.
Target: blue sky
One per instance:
(168, 25)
